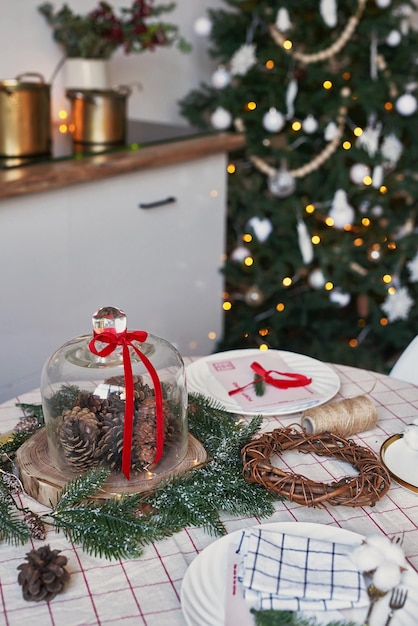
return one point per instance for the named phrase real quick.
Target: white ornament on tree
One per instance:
(262, 227)
(339, 297)
(283, 22)
(310, 124)
(406, 104)
(394, 38)
(221, 78)
(328, 10)
(273, 120)
(369, 139)
(331, 131)
(305, 242)
(383, 4)
(377, 176)
(221, 118)
(316, 279)
(391, 149)
(342, 213)
(281, 183)
(377, 210)
(243, 59)
(412, 266)
(239, 253)
(291, 93)
(202, 26)
(397, 305)
(358, 171)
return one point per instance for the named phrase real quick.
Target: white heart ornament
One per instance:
(261, 227)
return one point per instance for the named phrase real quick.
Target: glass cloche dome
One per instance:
(116, 399)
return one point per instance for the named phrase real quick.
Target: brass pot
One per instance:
(25, 116)
(99, 115)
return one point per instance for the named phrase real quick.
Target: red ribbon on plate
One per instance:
(125, 339)
(292, 379)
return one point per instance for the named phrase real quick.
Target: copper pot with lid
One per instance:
(25, 116)
(99, 115)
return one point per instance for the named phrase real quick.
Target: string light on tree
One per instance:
(254, 296)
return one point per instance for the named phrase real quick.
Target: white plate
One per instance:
(401, 461)
(204, 585)
(325, 381)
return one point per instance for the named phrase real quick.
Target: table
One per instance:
(146, 591)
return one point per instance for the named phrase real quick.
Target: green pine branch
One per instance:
(13, 529)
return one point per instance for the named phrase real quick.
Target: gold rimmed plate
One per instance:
(401, 461)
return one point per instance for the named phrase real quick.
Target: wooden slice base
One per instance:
(44, 482)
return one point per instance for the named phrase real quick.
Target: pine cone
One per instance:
(109, 450)
(144, 432)
(141, 390)
(95, 404)
(78, 433)
(44, 575)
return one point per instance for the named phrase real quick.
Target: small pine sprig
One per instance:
(62, 399)
(12, 528)
(259, 385)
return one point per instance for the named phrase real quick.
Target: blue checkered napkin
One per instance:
(286, 572)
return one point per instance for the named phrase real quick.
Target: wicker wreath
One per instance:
(364, 489)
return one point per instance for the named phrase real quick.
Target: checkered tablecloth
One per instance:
(146, 591)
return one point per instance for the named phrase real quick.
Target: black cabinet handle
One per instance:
(157, 203)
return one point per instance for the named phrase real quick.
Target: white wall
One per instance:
(166, 75)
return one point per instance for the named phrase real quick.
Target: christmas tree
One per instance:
(322, 250)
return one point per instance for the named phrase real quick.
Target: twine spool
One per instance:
(344, 417)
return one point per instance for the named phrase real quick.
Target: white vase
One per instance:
(86, 74)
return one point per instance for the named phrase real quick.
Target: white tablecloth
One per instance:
(146, 591)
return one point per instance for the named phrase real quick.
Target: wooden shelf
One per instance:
(41, 177)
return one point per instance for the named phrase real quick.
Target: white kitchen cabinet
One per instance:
(66, 252)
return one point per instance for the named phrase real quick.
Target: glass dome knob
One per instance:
(109, 318)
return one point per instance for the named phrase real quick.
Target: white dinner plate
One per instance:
(325, 381)
(204, 585)
(401, 461)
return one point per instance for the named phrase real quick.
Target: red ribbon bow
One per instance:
(125, 339)
(296, 380)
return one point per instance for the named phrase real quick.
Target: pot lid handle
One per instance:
(31, 74)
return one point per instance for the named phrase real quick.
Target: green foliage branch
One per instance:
(99, 33)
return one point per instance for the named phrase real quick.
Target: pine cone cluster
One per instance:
(44, 575)
(91, 431)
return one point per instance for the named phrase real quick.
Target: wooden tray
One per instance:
(44, 482)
